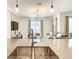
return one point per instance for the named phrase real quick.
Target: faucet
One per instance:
(32, 46)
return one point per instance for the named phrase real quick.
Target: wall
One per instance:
(62, 21)
(23, 26)
(62, 24)
(8, 30)
(57, 15)
(47, 25)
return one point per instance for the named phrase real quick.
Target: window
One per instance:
(70, 27)
(36, 26)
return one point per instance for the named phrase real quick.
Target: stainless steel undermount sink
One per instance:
(36, 52)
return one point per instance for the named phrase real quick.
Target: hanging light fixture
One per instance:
(52, 8)
(37, 10)
(17, 8)
(37, 14)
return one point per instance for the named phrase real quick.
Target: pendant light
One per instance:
(38, 5)
(37, 14)
(52, 8)
(17, 7)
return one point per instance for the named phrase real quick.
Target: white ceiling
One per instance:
(28, 7)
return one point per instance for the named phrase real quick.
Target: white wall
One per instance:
(8, 29)
(57, 15)
(47, 25)
(62, 21)
(23, 26)
(62, 24)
